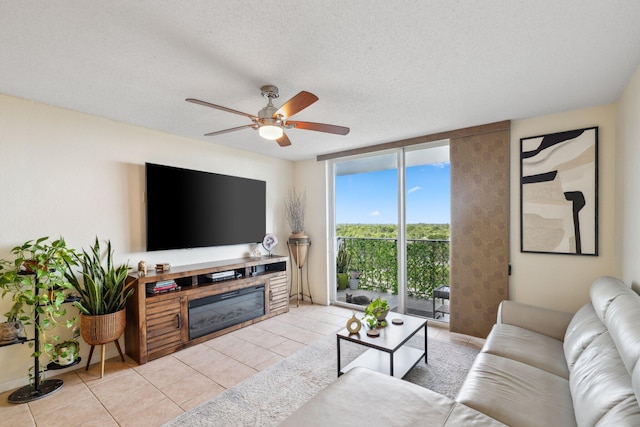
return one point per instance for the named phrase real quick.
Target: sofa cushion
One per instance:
(600, 383)
(532, 348)
(624, 414)
(517, 394)
(583, 329)
(462, 415)
(542, 320)
(362, 396)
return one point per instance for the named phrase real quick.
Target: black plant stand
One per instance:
(39, 389)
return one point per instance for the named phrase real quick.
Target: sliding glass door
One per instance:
(366, 218)
(392, 220)
(427, 219)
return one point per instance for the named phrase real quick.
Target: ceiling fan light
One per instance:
(270, 132)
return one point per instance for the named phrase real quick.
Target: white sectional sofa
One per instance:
(538, 367)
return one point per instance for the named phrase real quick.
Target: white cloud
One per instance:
(417, 188)
(374, 213)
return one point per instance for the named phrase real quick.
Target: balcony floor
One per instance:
(415, 306)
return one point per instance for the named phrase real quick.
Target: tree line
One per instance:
(390, 231)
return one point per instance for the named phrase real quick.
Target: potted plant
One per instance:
(343, 262)
(36, 280)
(12, 330)
(66, 352)
(354, 278)
(103, 294)
(376, 313)
(294, 206)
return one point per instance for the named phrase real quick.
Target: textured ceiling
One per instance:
(388, 70)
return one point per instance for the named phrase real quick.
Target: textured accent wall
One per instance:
(479, 230)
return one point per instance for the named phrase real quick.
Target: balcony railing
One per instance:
(376, 259)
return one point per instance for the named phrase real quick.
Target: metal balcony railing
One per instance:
(376, 261)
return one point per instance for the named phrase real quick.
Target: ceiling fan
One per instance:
(271, 122)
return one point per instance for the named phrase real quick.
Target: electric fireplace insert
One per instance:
(216, 312)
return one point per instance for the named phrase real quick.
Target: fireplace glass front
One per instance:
(216, 312)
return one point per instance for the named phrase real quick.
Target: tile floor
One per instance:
(156, 392)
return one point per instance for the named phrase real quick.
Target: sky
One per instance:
(371, 198)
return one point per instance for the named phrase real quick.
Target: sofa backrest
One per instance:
(602, 348)
(618, 307)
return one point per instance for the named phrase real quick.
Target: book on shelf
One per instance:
(156, 291)
(161, 286)
(163, 283)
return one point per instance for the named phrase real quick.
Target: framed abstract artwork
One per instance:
(559, 193)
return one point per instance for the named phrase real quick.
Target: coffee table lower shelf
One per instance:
(404, 359)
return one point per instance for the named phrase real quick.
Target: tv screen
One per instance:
(191, 209)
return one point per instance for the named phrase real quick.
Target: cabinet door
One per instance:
(165, 321)
(278, 294)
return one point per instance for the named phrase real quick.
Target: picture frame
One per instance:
(559, 193)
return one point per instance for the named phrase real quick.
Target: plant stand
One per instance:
(102, 356)
(39, 389)
(101, 330)
(295, 253)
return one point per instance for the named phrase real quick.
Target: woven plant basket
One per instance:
(102, 329)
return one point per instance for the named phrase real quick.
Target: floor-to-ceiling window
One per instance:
(427, 220)
(392, 218)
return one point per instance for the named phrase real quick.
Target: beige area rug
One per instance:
(268, 397)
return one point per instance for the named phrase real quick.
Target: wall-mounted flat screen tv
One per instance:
(191, 209)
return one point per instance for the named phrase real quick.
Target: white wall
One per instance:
(79, 176)
(562, 281)
(628, 181)
(310, 177)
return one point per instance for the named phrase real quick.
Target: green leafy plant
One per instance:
(66, 351)
(101, 285)
(36, 280)
(376, 312)
(343, 263)
(343, 259)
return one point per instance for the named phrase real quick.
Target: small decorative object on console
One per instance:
(255, 252)
(165, 266)
(269, 242)
(142, 268)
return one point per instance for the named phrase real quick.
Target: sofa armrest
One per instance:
(545, 321)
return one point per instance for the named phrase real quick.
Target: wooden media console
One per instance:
(160, 324)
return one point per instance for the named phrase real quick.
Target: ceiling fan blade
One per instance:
(320, 127)
(296, 104)
(220, 107)
(231, 130)
(283, 141)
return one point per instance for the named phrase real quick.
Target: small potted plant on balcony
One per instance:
(343, 262)
(103, 294)
(354, 279)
